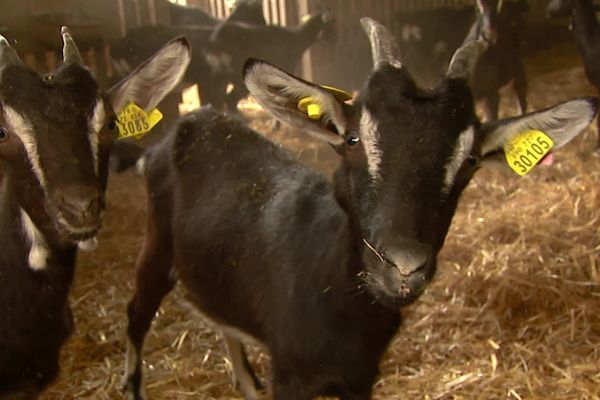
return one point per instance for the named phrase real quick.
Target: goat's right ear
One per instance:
(281, 94)
(152, 80)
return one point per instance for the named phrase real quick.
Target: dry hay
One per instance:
(512, 313)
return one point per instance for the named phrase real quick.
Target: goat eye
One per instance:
(472, 161)
(112, 124)
(352, 139)
(3, 134)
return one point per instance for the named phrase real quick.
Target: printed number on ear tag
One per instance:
(132, 121)
(526, 149)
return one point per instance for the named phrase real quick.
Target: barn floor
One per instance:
(514, 311)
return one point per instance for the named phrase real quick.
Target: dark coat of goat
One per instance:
(56, 133)
(499, 23)
(317, 272)
(586, 31)
(235, 42)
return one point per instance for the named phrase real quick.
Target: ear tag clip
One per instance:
(526, 150)
(132, 121)
(313, 109)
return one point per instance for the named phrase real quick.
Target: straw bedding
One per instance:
(514, 311)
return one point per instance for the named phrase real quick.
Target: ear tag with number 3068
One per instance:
(132, 121)
(526, 149)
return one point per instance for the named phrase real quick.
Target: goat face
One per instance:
(487, 16)
(56, 141)
(405, 164)
(407, 154)
(56, 133)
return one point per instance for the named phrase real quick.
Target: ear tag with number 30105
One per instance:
(132, 121)
(526, 149)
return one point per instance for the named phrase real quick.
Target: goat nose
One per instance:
(408, 257)
(81, 202)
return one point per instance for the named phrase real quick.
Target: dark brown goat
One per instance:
(317, 272)
(56, 133)
(586, 31)
(499, 24)
(234, 42)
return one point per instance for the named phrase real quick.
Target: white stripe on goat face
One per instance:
(23, 128)
(370, 138)
(462, 150)
(95, 125)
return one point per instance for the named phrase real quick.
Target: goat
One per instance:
(586, 32)
(235, 42)
(56, 133)
(498, 22)
(141, 42)
(428, 38)
(250, 11)
(268, 248)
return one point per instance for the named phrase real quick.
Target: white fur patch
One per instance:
(462, 149)
(38, 252)
(88, 245)
(370, 137)
(19, 125)
(95, 125)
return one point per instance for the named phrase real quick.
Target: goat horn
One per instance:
(8, 55)
(71, 53)
(465, 59)
(383, 45)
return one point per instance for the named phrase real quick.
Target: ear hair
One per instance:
(279, 93)
(562, 123)
(150, 82)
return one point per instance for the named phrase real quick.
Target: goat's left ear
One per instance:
(152, 80)
(281, 93)
(561, 123)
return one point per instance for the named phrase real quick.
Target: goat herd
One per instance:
(266, 247)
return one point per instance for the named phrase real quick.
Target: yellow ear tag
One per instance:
(310, 107)
(313, 109)
(526, 149)
(132, 121)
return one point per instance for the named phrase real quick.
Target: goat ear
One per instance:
(280, 93)
(150, 82)
(561, 123)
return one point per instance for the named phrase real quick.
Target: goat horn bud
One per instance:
(383, 45)
(71, 53)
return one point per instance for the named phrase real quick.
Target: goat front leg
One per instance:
(244, 378)
(154, 281)
(491, 102)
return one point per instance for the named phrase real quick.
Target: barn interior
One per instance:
(513, 312)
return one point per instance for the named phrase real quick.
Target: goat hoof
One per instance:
(129, 390)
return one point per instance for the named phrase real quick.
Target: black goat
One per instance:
(317, 272)
(209, 69)
(249, 11)
(499, 23)
(56, 133)
(586, 32)
(428, 39)
(235, 42)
